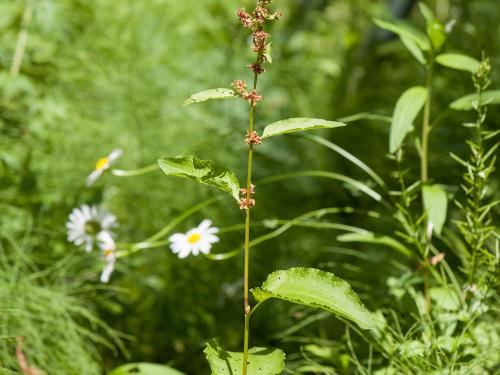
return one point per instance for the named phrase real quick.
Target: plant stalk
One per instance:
(22, 39)
(246, 303)
(426, 128)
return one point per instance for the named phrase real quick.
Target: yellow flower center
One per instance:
(108, 252)
(101, 164)
(193, 238)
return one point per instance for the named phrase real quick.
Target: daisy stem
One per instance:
(247, 235)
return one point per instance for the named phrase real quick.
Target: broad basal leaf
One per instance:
(298, 124)
(210, 94)
(406, 111)
(465, 103)
(375, 239)
(316, 288)
(458, 61)
(405, 30)
(202, 171)
(261, 361)
(435, 204)
(144, 369)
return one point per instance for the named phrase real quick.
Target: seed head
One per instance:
(253, 98)
(245, 18)
(240, 88)
(260, 38)
(256, 68)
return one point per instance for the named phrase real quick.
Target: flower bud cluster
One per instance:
(240, 89)
(247, 201)
(253, 138)
(255, 21)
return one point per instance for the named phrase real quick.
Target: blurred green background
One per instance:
(105, 74)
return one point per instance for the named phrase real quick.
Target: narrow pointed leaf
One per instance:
(144, 369)
(298, 124)
(404, 29)
(375, 239)
(407, 109)
(210, 94)
(316, 288)
(458, 61)
(413, 48)
(261, 361)
(202, 171)
(435, 204)
(426, 12)
(465, 103)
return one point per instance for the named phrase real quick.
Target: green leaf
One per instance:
(426, 12)
(403, 29)
(375, 239)
(316, 288)
(414, 49)
(261, 361)
(445, 298)
(437, 34)
(406, 111)
(458, 61)
(144, 369)
(201, 171)
(466, 103)
(298, 124)
(210, 94)
(435, 204)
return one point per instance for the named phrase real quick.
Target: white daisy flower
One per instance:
(108, 247)
(196, 240)
(103, 164)
(86, 223)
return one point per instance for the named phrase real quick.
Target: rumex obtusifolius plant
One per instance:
(306, 286)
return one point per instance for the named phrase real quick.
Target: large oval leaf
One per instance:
(466, 103)
(298, 124)
(261, 361)
(144, 369)
(316, 288)
(201, 171)
(210, 94)
(458, 61)
(406, 111)
(435, 204)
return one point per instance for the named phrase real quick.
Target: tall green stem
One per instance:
(22, 39)
(426, 128)
(246, 306)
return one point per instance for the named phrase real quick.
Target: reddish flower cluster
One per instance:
(245, 201)
(260, 38)
(253, 98)
(255, 21)
(240, 88)
(253, 138)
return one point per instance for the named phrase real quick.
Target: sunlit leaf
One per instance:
(458, 61)
(261, 361)
(375, 239)
(404, 29)
(406, 111)
(210, 94)
(435, 204)
(465, 103)
(316, 288)
(298, 124)
(144, 369)
(201, 171)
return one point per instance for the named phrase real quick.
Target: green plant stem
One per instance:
(247, 237)
(22, 39)
(426, 129)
